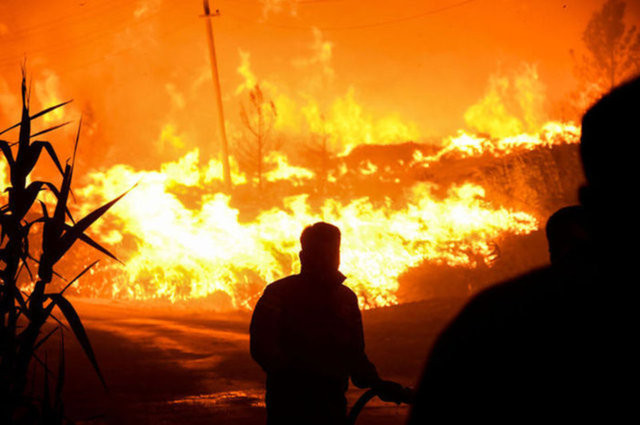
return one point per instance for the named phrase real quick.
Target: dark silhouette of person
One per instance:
(306, 333)
(551, 346)
(568, 237)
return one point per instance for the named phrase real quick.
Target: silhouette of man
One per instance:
(306, 333)
(551, 346)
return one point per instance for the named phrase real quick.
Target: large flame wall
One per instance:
(181, 240)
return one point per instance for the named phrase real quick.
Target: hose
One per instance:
(364, 399)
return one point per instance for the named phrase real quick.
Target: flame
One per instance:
(513, 103)
(465, 145)
(343, 121)
(183, 240)
(285, 171)
(4, 180)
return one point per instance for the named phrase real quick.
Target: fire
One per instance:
(465, 145)
(285, 171)
(344, 121)
(4, 176)
(183, 240)
(348, 125)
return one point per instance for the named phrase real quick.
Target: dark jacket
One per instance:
(546, 347)
(306, 333)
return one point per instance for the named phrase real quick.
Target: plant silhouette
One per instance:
(23, 314)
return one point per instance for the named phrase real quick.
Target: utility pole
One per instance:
(216, 82)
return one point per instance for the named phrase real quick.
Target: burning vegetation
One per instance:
(401, 204)
(405, 199)
(182, 237)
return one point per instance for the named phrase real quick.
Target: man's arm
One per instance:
(264, 332)
(363, 372)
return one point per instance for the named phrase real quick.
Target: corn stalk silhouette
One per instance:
(23, 315)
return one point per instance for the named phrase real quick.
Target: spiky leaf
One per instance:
(74, 233)
(86, 269)
(78, 329)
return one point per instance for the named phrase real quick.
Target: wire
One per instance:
(87, 41)
(303, 2)
(66, 20)
(81, 41)
(108, 56)
(359, 26)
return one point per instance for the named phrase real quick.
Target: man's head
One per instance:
(567, 235)
(610, 147)
(320, 247)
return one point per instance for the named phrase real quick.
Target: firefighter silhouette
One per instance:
(306, 333)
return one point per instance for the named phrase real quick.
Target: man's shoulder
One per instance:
(275, 293)
(346, 293)
(282, 285)
(509, 304)
(536, 285)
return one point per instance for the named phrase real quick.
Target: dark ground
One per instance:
(179, 366)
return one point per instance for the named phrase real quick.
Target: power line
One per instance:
(303, 2)
(65, 20)
(87, 39)
(77, 42)
(110, 55)
(359, 26)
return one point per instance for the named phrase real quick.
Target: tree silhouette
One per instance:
(258, 118)
(319, 155)
(613, 50)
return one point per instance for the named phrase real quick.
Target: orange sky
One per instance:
(134, 66)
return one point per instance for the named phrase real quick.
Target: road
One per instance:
(168, 364)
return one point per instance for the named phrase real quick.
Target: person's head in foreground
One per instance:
(609, 147)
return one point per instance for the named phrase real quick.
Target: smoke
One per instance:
(321, 55)
(144, 7)
(47, 91)
(249, 79)
(8, 101)
(169, 138)
(177, 98)
(274, 7)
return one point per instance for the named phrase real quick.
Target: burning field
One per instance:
(182, 237)
(402, 205)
